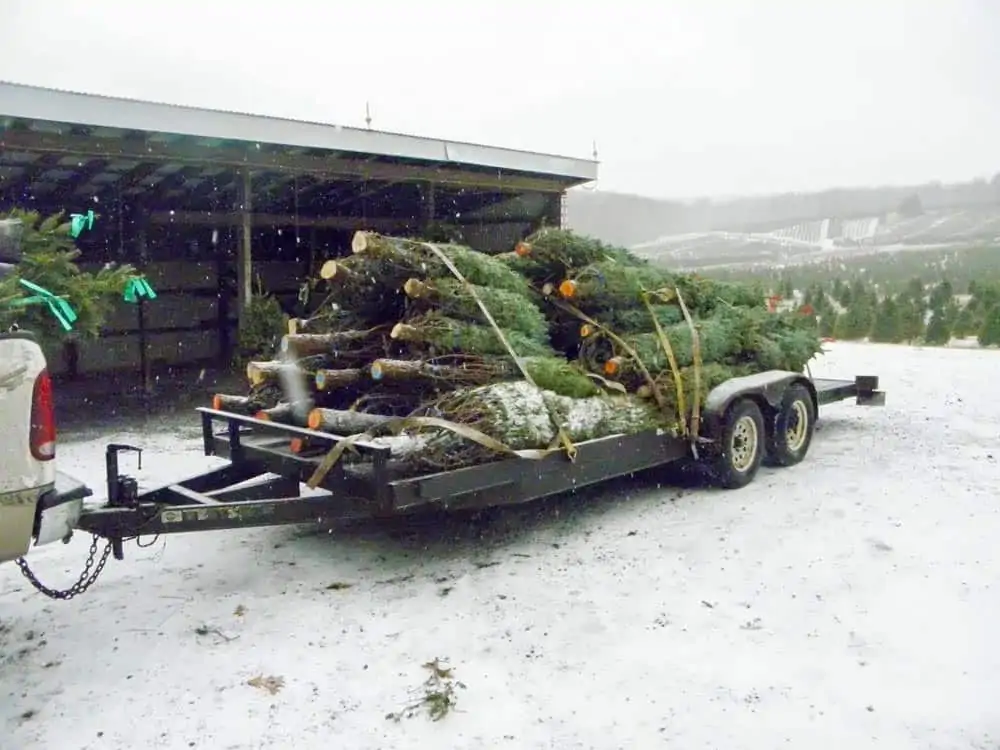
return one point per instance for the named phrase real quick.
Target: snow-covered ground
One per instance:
(849, 602)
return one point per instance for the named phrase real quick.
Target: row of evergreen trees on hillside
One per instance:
(918, 313)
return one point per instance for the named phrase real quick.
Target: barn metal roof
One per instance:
(60, 146)
(113, 116)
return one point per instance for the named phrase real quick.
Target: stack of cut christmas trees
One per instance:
(452, 357)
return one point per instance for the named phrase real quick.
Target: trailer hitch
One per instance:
(123, 492)
(123, 489)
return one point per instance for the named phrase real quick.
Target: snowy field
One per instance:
(849, 602)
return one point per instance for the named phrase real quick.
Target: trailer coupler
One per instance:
(123, 489)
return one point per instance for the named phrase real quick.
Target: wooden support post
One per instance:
(428, 209)
(145, 372)
(554, 210)
(313, 250)
(309, 270)
(221, 246)
(144, 365)
(244, 253)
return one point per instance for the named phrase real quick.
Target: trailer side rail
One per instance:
(495, 483)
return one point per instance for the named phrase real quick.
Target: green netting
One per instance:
(537, 273)
(551, 254)
(559, 376)
(720, 339)
(522, 416)
(735, 336)
(608, 285)
(414, 258)
(366, 289)
(710, 376)
(510, 310)
(449, 335)
(639, 320)
(705, 296)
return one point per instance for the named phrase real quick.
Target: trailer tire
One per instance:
(741, 446)
(791, 432)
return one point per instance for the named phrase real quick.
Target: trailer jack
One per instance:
(123, 490)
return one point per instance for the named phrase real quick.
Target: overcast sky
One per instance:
(684, 97)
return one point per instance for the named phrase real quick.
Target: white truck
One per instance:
(37, 503)
(31, 506)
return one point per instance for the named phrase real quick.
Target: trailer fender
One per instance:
(767, 389)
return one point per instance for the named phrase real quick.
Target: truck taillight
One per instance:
(42, 440)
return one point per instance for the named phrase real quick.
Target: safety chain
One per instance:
(86, 580)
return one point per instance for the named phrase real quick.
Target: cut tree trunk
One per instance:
(235, 404)
(405, 448)
(261, 373)
(450, 335)
(477, 372)
(395, 256)
(417, 289)
(364, 242)
(310, 344)
(330, 380)
(270, 372)
(295, 414)
(335, 270)
(340, 422)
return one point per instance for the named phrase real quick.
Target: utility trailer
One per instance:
(768, 417)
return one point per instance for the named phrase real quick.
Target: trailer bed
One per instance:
(497, 483)
(261, 484)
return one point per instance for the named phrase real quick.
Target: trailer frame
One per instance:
(261, 483)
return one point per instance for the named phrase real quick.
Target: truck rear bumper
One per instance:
(17, 521)
(45, 514)
(59, 509)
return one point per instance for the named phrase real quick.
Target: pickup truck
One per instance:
(32, 505)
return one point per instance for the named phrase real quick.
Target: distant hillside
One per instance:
(818, 241)
(891, 271)
(623, 219)
(630, 220)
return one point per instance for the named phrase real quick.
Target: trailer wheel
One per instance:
(741, 444)
(788, 440)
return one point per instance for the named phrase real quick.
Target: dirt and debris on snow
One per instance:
(848, 602)
(436, 696)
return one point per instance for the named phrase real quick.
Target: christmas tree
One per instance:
(989, 333)
(48, 264)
